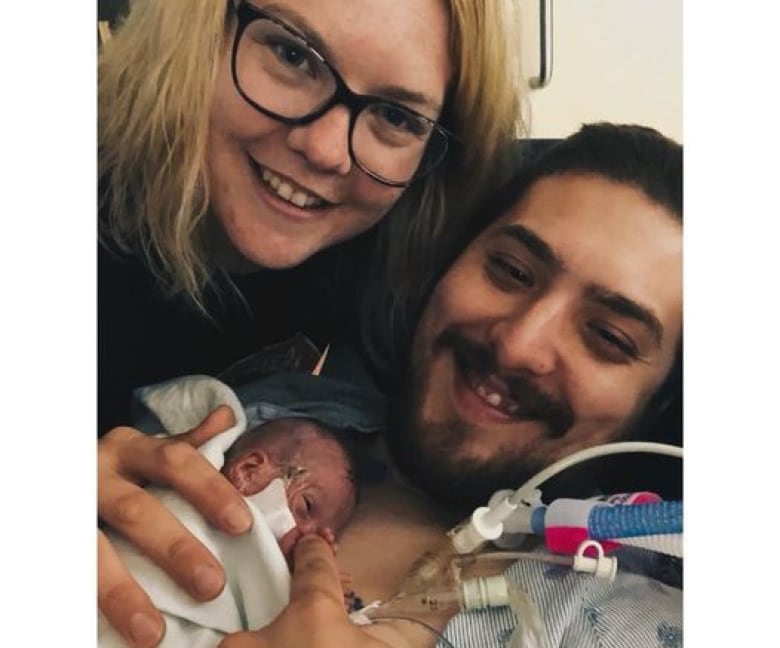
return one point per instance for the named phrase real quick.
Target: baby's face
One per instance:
(320, 494)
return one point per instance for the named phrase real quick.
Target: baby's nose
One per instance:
(308, 526)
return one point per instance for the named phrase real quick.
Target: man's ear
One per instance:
(251, 472)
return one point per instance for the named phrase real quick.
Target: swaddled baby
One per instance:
(295, 469)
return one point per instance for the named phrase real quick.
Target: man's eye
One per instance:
(613, 344)
(508, 272)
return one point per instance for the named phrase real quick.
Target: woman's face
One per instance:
(395, 49)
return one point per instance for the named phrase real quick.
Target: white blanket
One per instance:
(258, 579)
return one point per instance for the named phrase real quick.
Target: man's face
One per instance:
(550, 333)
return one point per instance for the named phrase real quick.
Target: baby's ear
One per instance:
(251, 472)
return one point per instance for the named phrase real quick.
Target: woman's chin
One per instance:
(270, 251)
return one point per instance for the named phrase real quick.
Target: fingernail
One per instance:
(207, 581)
(145, 630)
(237, 519)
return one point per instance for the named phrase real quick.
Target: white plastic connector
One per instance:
(362, 616)
(473, 534)
(527, 497)
(517, 524)
(602, 566)
(484, 591)
(501, 508)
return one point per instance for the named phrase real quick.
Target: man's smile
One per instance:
(484, 394)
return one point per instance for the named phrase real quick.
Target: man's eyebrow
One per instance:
(535, 244)
(614, 301)
(313, 38)
(625, 307)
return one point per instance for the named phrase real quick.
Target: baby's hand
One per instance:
(330, 537)
(290, 539)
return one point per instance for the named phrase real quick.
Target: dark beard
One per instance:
(426, 454)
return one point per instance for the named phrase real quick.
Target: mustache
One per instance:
(534, 403)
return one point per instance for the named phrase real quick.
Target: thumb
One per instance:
(217, 421)
(315, 572)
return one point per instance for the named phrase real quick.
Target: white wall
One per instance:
(616, 60)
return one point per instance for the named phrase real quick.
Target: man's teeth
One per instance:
(493, 398)
(287, 192)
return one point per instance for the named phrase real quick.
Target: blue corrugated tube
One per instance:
(626, 521)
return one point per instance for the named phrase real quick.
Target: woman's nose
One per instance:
(325, 141)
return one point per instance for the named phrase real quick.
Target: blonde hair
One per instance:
(485, 113)
(156, 80)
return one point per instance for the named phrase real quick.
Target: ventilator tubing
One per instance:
(565, 523)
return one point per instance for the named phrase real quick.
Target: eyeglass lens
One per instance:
(279, 72)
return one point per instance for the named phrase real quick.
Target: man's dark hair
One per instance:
(642, 158)
(632, 155)
(637, 156)
(629, 154)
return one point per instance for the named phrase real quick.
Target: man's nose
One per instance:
(325, 141)
(529, 337)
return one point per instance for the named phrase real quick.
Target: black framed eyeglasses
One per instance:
(280, 74)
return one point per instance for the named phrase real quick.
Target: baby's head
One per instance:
(321, 496)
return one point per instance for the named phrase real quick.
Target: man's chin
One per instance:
(437, 456)
(435, 459)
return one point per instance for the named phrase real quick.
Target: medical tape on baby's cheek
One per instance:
(292, 472)
(272, 502)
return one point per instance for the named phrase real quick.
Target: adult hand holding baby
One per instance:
(127, 460)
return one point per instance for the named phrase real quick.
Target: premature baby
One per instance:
(294, 466)
(313, 463)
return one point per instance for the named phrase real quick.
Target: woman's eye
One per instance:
(509, 272)
(613, 344)
(400, 119)
(291, 55)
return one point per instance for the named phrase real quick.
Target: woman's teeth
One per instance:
(287, 192)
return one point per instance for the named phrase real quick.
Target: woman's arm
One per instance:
(127, 460)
